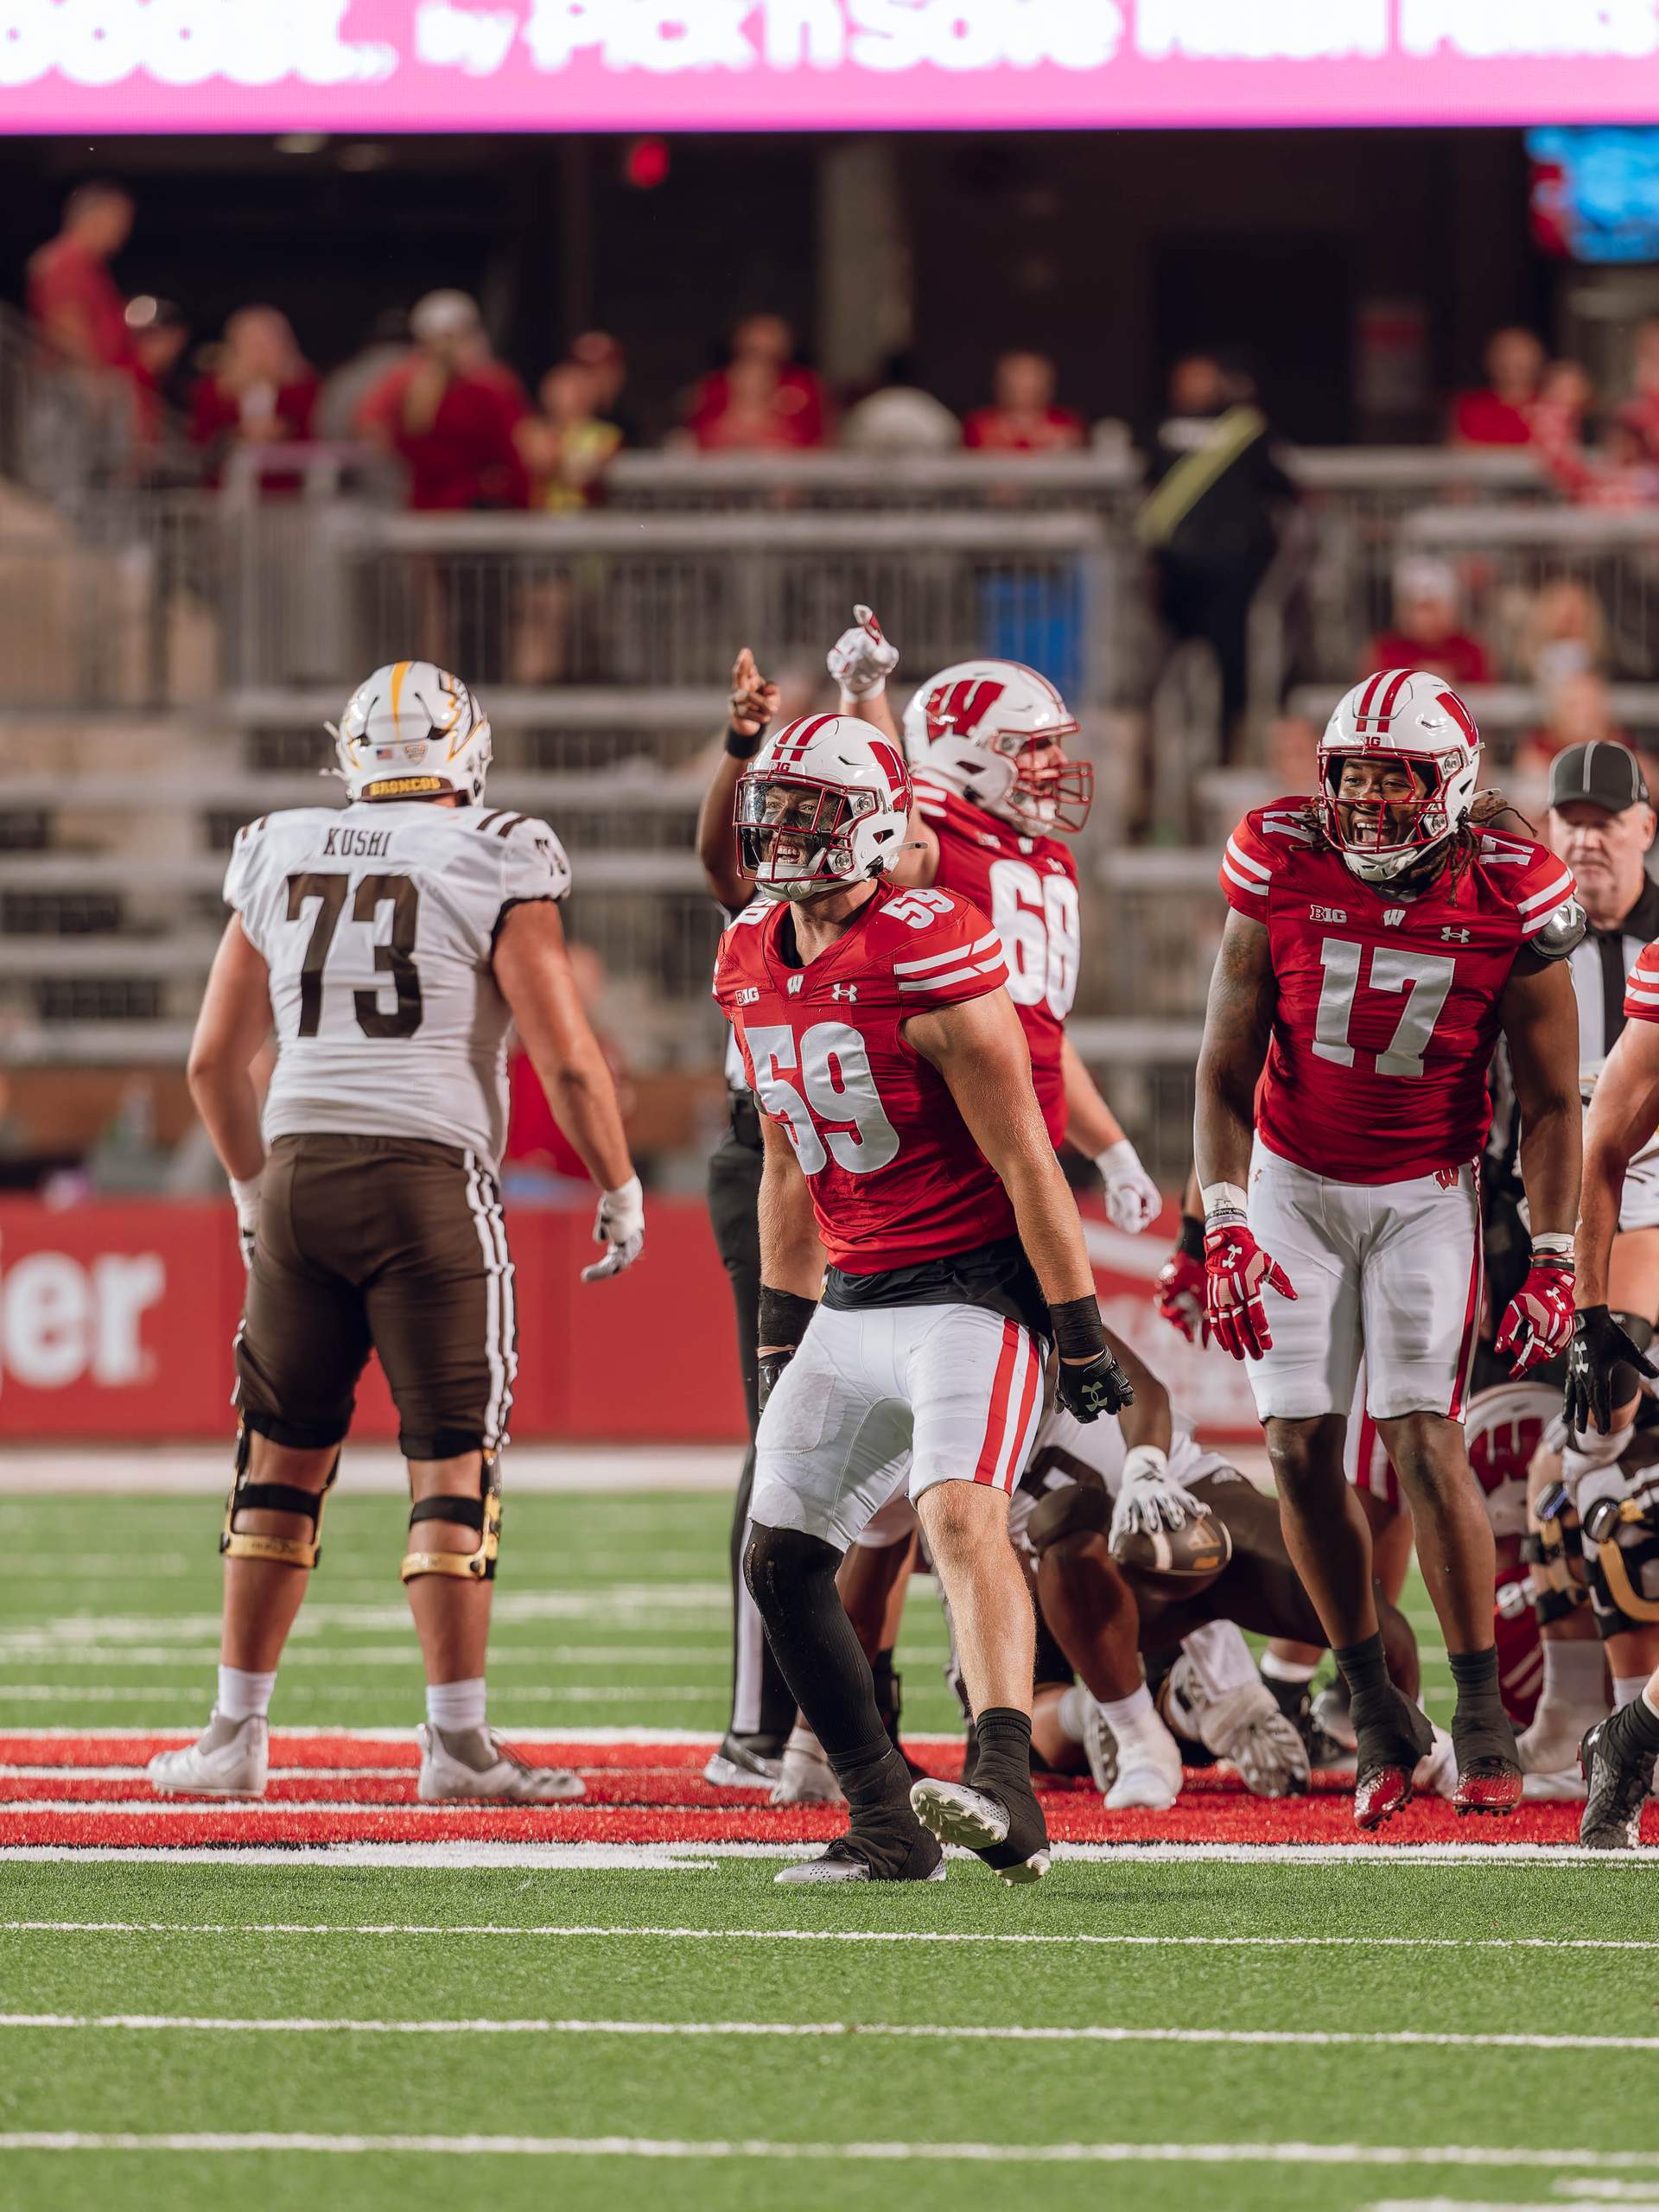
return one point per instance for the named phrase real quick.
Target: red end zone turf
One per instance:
(90, 1792)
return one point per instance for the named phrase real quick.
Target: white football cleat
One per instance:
(1436, 1772)
(1550, 1744)
(229, 1758)
(735, 1765)
(807, 1777)
(1565, 1788)
(1149, 1771)
(474, 1763)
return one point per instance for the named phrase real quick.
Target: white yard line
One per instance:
(701, 1738)
(815, 2031)
(1013, 2154)
(563, 1858)
(670, 1934)
(558, 1693)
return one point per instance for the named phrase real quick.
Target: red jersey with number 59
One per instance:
(1387, 1010)
(895, 1177)
(1028, 886)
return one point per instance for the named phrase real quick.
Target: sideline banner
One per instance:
(113, 67)
(116, 1320)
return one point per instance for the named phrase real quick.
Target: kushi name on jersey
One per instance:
(348, 845)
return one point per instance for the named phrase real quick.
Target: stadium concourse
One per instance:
(1234, 2002)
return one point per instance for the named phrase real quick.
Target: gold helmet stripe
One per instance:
(400, 671)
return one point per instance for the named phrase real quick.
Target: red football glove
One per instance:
(1538, 1321)
(1237, 1273)
(1180, 1294)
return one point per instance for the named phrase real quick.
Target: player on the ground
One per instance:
(1605, 1368)
(904, 1142)
(1380, 940)
(389, 943)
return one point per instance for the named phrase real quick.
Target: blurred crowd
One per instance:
(1602, 449)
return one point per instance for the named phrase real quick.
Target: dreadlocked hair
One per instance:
(1486, 809)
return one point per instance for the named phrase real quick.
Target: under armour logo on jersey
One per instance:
(795, 982)
(1392, 916)
(844, 991)
(1454, 937)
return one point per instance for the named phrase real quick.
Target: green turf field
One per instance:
(558, 2014)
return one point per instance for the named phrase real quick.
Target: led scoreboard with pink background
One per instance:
(127, 65)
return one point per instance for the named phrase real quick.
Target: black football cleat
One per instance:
(745, 1763)
(1391, 1736)
(1489, 1780)
(1006, 1830)
(1616, 1782)
(909, 1854)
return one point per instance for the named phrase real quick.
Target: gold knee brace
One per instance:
(1603, 1524)
(481, 1514)
(1555, 1551)
(271, 1497)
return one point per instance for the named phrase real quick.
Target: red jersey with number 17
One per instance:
(895, 1177)
(1028, 886)
(1387, 1009)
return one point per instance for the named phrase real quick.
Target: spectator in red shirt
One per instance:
(1642, 408)
(74, 302)
(261, 390)
(763, 400)
(1501, 415)
(449, 412)
(1023, 417)
(1425, 634)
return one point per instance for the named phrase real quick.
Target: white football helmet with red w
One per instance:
(824, 804)
(1401, 715)
(995, 732)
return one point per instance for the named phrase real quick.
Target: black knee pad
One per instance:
(780, 1564)
(1073, 1509)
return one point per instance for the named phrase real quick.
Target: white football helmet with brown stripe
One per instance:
(994, 731)
(411, 730)
(1399, 715)
(824, 804)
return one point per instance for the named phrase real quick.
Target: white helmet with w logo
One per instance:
(824, 804)
(411, 730)
(996, 731)
(1399, 715)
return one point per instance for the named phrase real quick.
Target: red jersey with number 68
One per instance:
(1388, 1005)
(1028, 886)
(895, 1177)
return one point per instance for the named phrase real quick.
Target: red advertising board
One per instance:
(115, 1322)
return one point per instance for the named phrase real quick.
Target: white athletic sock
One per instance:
(1129, 1716)
(1627, 1690)
(454, 1706)
(1575, 1672)
(242, 1696)
(1072, 1712)
(1287, 1670)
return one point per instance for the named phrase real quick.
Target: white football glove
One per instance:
(246, 1197)
(1133, 1199)
(620, 1225)
(1150, 1499)
(862, 660)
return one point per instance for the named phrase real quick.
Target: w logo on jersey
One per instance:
(1392, 916)
(957, 708)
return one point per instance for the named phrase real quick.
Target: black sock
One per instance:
(1475, 1674)
(1365, 1666)
(1291, 1698)
(1635, 1728)
(1003, 1737)
(791, 1577)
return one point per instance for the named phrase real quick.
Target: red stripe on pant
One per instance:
(996, 1422)
(1471, 1318)
(1015, 1468)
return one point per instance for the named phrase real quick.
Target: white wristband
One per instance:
(1145, 1463)
(246, 1194)
(1223, 1197)
(1553, 1244)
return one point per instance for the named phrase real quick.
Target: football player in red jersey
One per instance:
(1604, 1371)
(905, 1145)
(1379, 942)
(997, 798)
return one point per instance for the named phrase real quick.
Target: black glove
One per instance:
(1102, 1387)
(772, 1364)
(1599, 1347)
